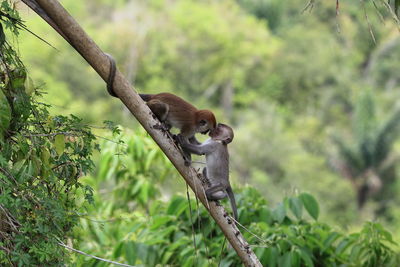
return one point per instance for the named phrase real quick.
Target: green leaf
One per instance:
(296, 206)
(5, 114)
(272, 256)
(45, 156)
(159, 221)
(130, 252)
(286, 260)
(306, 257)
(343, 245)
(396, 7)
(177, 206)
(329, 240)
(59, 143)
(310, 204)
(279, 213)
(29, 86)
(149, 159)
(265, 215)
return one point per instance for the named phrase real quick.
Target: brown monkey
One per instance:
(173, 111)
(217, 163)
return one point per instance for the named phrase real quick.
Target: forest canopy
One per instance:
(311, 90)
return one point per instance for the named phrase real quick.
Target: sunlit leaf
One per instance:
(159, 221)
(310, 204)
(59, 144)
(149, 159)
(343, 245)
(45, 156)
(296, 206)
(29, 86)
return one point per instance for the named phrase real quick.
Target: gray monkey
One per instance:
(217, 162)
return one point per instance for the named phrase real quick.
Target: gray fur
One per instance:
(217, 170)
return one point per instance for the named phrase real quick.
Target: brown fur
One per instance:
(181, 114)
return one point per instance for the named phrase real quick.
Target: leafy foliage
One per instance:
(284, 80)
(41, 160)
(161, 232)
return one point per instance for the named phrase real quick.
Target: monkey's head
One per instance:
(205, 121)
(222, 133)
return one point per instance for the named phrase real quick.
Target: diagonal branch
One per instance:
(62, 21)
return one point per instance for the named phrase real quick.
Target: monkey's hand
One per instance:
(181, 139)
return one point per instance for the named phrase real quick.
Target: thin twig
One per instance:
(368, 22)
(378, 12)
(250, 232)
(52, 134)
(11, 220)
(20, 25)
(110, 140)
(309, 6)
(92, 256)
(394, 15)
(5, 249)
(191, 222)
(8, 175)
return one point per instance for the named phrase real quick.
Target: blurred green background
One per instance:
(312, 99)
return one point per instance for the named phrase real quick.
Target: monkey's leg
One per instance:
(216, 192)
(161, 110)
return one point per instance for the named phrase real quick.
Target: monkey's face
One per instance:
(222, 133)
(204, 127)
(205, 121)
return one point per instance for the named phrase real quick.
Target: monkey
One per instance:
(217, 163)
(173, 111)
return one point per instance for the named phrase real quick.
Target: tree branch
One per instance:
(59, 18)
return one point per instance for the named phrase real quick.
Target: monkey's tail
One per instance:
(146, 97)
(231, 196)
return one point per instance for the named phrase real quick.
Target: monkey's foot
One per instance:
(161, 126)
(187, 161)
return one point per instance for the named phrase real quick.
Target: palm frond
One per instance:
(349, 156)
(385, 137)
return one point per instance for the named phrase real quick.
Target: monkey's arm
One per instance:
(194, 141)
(201, 149)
